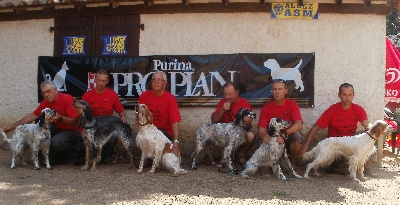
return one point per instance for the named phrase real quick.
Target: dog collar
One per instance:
(142, 124)
(46, 127)
(371, 136)
(89, 127)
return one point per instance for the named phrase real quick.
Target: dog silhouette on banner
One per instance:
(285, 73)
(59, 78)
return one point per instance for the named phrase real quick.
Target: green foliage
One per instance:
(393, 23)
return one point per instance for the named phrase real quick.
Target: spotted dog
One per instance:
(154, 144)
(270, 155)
(97, 131)
(33, 136)
(357, 149)
(227, 135)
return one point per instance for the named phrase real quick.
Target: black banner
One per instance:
(195, 80)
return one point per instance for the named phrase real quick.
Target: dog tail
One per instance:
(5, 139)
(308, 156)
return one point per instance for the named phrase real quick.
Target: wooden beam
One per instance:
(148, 3)
(48, 9)
(377, 9)
(79, 7)
(113, 5)
(185, 2)
(19, 11)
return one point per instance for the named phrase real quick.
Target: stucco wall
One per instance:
(348, 48)
(21, 44)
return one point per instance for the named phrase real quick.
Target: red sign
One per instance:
(392, 73)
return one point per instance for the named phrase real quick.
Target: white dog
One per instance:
(285, 73)
(33, 136)
(356, 148)
(154, 144)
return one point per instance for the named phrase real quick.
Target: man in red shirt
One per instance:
(341, 119)
(164, 108)
(66, 134)
(103, 101)
(288, 110)
(226, 111)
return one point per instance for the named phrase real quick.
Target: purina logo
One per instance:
(91, 83)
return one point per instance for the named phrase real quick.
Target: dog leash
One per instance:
(371, 136)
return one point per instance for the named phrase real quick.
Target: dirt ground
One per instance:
(116, 184)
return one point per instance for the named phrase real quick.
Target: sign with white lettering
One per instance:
(195, 80)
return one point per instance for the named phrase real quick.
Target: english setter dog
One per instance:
(34, 137)
(227, 135)
(356, 148)
(270, 155)
(154, 144)
(97, 131)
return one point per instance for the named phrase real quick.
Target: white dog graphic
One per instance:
(285, 73)
(59, 78)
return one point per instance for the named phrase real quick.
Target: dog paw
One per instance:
(140, 171)
(245, 176)
(193, 168)
(84, 168)
(306, 177)
(363, 179)
(50, 168)
(37, 168)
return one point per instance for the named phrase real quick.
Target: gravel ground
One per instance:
(116, 184)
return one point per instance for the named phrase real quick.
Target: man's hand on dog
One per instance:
(267, 139)
(175, 148)
(247, 120)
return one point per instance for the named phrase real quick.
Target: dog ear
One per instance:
(239, 116)
(377, 129)
(42, 118)
(271, 127)
(149, 116)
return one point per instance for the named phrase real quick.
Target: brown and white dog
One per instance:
(356, 148)
(154, 144)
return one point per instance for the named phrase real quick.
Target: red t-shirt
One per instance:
(289, 111)
(229, 115)
(63, 106)
(103, 104)
(164, 109)
(341, 122)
